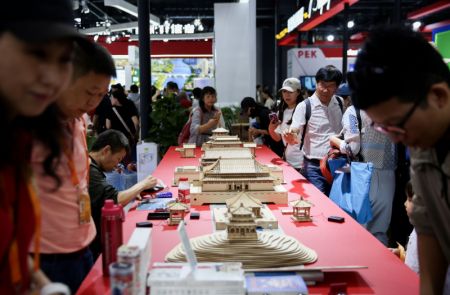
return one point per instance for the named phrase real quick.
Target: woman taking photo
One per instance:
(278, 124)
(206, 117)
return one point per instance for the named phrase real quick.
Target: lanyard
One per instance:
(70, 159)
(14, 259)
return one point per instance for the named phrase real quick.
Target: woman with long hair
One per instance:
(36, 45)
(123, 116)
(291, 97)
(206, 117)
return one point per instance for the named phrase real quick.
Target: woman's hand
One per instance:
(291, 137)
(273, 125)
(335, 142)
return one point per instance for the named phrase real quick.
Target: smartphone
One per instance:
(337, 219)
(273, 117)
(154, 189)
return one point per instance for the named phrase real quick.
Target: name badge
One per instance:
(84, 205)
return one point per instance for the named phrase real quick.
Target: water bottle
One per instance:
(111, 233)
(183, 190)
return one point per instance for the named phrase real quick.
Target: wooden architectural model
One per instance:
(220, 139)
(212, 155)
(263, 215)
(190, 172)
(177, 211)
(242, 225)
(222, 179)
(187, 151)
(301, 210)
(241, 242)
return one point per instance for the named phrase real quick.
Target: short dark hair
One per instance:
(134, 88)
(395, 62)
(197, 92)
(172, 85)
(93, 58)
(247, 102)
(206, 90)
(329, 74)
(114, 138)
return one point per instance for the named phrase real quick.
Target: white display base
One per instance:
(267, 221)
(278, 196)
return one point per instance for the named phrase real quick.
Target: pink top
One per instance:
(61, 229)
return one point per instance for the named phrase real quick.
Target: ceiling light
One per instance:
(95, 38)
(330, 38)
(108, 40)
(350, 24)
(77, 20)
(165, 40)
(84, 7)
(113, 38)
(416, 25)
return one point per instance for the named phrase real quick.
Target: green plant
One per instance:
(167, 119)
(231, 115)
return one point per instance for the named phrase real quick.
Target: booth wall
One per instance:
(235, 51)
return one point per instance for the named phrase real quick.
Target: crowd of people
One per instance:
(52, 187)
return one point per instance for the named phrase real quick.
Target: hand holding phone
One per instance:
(273, 117)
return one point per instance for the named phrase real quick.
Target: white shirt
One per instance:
(293, 154)
(324, 122)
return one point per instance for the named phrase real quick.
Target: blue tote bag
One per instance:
(350, 191)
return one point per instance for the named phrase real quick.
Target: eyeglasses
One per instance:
(328, 86)
(397, 129)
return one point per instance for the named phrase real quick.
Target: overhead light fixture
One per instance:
(165, 40)
(350, 24)
(330, 38)
(113, 38)
(95, 38)
(416, 25)
(84, 7)
(130, 9)
(108, 40)
(77, 20)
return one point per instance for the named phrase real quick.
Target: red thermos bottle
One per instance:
(112, 219)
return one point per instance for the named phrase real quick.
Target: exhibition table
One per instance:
(337, 244)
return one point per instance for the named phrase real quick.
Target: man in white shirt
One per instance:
(326, 111)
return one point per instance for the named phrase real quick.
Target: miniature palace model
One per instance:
(263, 215)
(220, 138)
(241, 242)
(227, 169)
(222, 179)
(212, 155)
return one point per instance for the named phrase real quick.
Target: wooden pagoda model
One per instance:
(242, 226)
(177, 211)
(301, 210)
(242, 199)
(263, 215)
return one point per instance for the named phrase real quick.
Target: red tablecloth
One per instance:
(336, 244)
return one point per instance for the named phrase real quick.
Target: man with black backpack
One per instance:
(316, 119)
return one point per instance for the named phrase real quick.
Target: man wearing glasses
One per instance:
(404, 85)
(326, 111)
